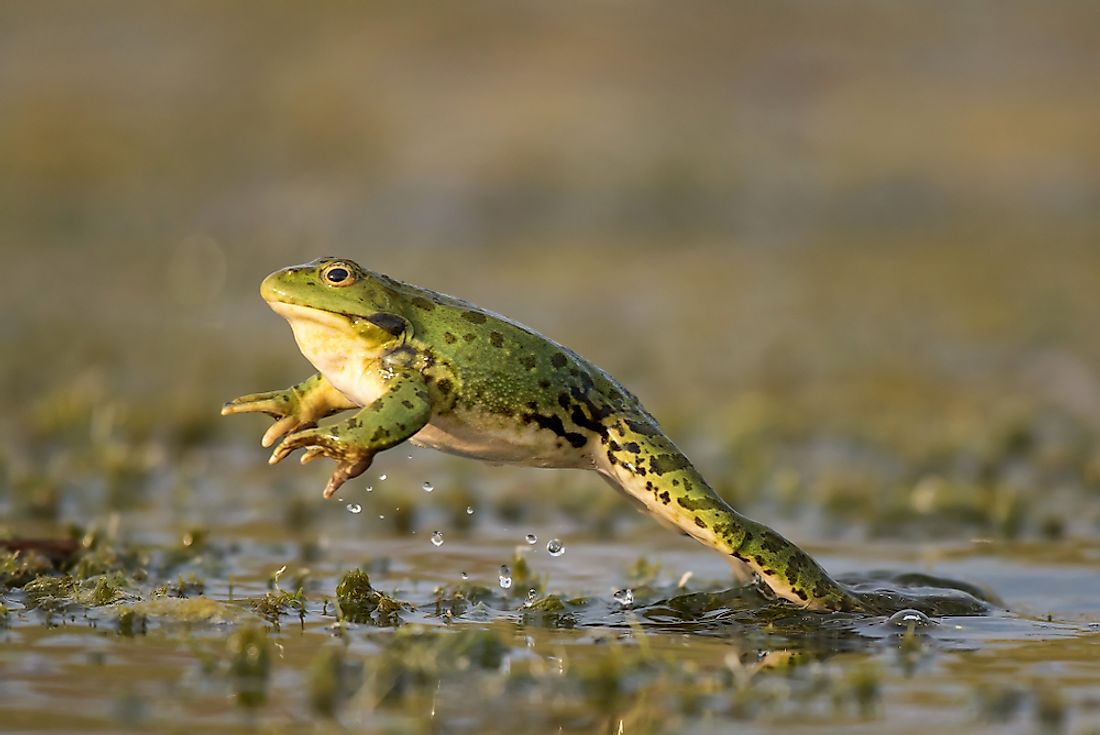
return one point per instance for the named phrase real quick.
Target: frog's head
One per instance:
(334, 304)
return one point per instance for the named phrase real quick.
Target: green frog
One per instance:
(420, 366)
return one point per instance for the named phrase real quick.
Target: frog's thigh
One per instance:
(742, 572)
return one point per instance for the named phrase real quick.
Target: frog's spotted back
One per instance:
(440, 372)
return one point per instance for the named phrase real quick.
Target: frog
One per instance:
(416, 365)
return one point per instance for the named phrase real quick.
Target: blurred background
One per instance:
(847, 253)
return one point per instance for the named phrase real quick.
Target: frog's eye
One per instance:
(338, 274)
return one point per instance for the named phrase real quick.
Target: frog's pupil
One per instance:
(336, 275)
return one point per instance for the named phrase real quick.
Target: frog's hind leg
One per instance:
(741, 571)
(640, 460)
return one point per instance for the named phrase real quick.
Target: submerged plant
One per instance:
(249, 665)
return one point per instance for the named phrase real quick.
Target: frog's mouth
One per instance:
(297, 313)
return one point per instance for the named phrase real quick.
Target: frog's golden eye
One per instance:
(338, 274)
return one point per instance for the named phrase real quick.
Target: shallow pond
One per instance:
(241, 619)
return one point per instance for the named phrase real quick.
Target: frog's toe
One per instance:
(237, 405)
(346, 471)
(292, 442)
(282, 427)
(311, 454)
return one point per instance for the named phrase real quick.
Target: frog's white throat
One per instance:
(328, 341)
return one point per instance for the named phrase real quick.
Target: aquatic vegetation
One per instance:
(130, 622)
(50, 594)
(249, 653)
(414, 660)
(551, 611)
(18, 568)
(358, 602)
(275, 604)
(333, 678)
(457, 600)
(188, 610)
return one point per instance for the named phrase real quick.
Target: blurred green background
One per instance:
(840, 250)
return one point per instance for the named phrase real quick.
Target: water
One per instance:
(554, 547)
(531, 539)
(982, 662)
(427, 487)
(437, 538)
(469, 510)
(354, 508)
(910, 619)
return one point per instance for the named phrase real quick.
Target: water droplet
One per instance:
(531, 538)
(354, 508)
(437, 538)
(464, 575)
(555, 547)
(505, 577)
(409, 457)
(382, 477)
(469, 510)
(381, 517)
(532, 595)
(370, 488)
(427, 487)
(907, 618)
(624, 597)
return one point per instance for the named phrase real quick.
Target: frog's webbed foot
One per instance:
(390, 419)
(294, 409)
(282, 405)
(352, 459)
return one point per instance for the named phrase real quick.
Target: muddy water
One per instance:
(685, 650)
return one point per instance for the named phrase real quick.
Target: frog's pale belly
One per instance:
(499, 440)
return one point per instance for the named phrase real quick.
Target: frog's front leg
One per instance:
(298, 407)
(402, 410)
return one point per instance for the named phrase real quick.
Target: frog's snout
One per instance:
(270, 288)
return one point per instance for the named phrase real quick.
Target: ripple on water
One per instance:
(909, 618)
